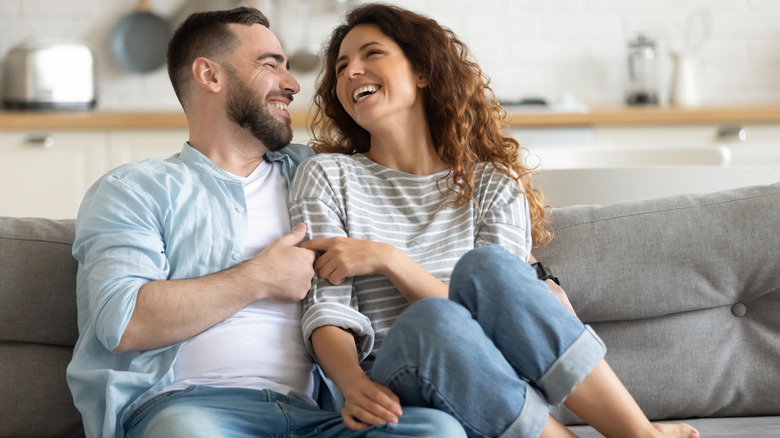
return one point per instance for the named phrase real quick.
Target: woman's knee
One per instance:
(490, 273)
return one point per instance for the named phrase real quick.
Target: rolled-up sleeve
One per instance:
(119, 247)
(314, 201)
(505, 216)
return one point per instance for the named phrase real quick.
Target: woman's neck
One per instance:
(408, 149)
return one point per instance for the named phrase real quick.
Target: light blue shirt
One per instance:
(155, 220)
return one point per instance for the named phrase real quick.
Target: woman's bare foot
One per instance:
(679, 430)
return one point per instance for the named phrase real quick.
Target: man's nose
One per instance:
(290, 84)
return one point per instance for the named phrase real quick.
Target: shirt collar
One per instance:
(290, 156)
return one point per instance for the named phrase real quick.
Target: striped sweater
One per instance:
(351, 196)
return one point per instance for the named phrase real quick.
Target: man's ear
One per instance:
(207, 74)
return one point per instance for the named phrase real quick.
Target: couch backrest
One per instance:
(38, 328)
(685, 292)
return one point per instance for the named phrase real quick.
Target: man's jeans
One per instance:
(205, 412)
(495, 355)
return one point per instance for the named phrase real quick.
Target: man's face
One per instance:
(259, 102)
(248, 109)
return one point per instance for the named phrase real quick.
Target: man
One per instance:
(189, 275)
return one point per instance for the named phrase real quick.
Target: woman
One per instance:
(422, 175)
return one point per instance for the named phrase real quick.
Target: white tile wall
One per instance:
(528, 47)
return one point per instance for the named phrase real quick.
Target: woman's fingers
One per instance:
(370, 404)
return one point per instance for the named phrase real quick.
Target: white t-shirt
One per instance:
(244, 350)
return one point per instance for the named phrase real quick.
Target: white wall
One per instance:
(527, 47)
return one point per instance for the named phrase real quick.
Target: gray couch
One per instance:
(685, 291)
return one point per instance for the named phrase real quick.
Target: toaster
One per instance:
(49, 75)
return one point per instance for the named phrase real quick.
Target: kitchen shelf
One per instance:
(604, 116)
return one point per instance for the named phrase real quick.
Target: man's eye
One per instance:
(270, 65)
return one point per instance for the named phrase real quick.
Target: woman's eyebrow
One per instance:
(341, 58)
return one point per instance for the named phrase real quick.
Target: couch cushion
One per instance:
(743, 427)
(36, 399)
(38, 328)
(685, 291)
(38, 285)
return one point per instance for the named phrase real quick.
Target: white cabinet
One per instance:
(134, 146)
(47, 173)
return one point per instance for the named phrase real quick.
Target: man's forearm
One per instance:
(170, 311)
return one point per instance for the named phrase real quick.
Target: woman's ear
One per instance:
(422, 81)
(207, 74)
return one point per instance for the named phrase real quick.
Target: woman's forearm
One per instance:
(337, 354)
(411, 279)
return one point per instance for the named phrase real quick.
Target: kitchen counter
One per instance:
(647, 116)
(597, 116)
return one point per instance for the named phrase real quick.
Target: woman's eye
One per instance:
(373, 52)
(340, 68)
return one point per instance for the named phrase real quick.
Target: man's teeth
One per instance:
(363, 92)
(280, 105)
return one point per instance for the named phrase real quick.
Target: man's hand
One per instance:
(285, 269)
(369, 404)
(342, 257)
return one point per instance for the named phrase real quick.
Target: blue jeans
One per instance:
(495, 355)
(206, 412)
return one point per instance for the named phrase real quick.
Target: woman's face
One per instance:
(375, 81)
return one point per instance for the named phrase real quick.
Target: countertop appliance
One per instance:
(642, 72)
(49, 75)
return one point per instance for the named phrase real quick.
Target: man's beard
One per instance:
(247, 109)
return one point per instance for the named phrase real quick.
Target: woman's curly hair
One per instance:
(466, 123)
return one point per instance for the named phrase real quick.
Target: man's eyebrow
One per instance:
(279, 58)
(341, 58)
(276, 57)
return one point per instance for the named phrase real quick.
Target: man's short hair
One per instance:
(205, 34)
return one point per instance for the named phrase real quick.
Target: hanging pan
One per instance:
(140, 39)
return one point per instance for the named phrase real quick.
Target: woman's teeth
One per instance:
(363, 92)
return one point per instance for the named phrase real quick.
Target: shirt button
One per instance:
(240, 209)
(236, 256)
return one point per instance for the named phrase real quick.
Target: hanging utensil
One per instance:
(140, 39)
(697, 29)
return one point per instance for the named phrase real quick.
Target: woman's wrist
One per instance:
(391, 261)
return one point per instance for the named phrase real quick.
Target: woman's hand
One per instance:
(369, 404)
(556, 290)
(561, 294)
(342, 257)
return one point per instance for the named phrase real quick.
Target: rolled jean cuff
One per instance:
(572, 367)
(532, 417)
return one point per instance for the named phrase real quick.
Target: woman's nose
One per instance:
(353, 69)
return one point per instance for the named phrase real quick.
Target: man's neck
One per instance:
(231, 148)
